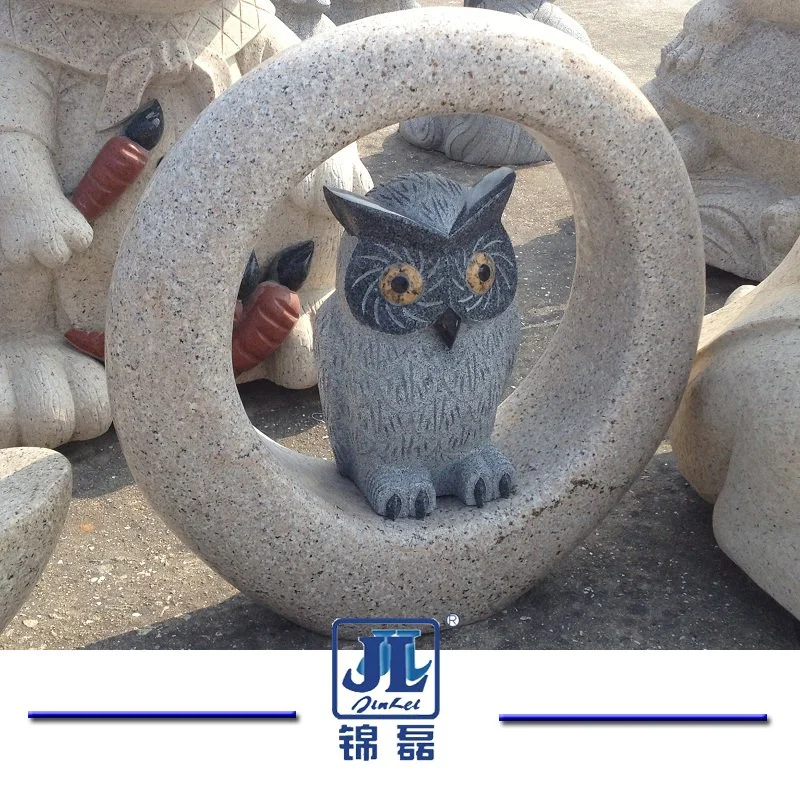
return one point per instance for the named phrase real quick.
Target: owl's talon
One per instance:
(393, 507)
(484, 475)
(480, 493)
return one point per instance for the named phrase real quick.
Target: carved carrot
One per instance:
(270, 310)
(119, 163)
(266, 310)
(93, 343)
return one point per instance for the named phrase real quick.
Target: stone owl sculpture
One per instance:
(416, 344)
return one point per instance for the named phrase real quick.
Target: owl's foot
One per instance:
(486, 474)
(50, 394)
(396, 492)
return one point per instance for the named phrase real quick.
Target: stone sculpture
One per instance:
(303, 215)
(737, 432)
(287, 529)
(726, 88)
(35, 490)
(305, 17)
(416, 345)
(267, 309)
(344, 11)
(482, 138)
(72, 72)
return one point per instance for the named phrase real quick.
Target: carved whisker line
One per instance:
(366, 275)
(378, 259)
(364, 300)
(487, 244)
(389, 252)
(477, 302)
(397, 254)
(390, 313)
(436, 285)
(413, 316)
(376, 309)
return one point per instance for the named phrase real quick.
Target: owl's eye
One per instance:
(401, 284)
(480, 272)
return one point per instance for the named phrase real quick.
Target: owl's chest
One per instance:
(410, 373)
(408, 398)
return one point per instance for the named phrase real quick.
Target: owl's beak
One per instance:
(447, 327)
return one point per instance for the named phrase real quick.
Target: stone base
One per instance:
(35, 490)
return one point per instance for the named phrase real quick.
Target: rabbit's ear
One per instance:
(486, 200)
(252, 277)
(360, 216)
(290, 267)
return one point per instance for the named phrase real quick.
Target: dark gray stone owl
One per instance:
(416, 345)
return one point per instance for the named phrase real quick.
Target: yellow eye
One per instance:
(480, 273)
(401, 284)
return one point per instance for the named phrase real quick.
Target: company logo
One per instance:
(388, 677)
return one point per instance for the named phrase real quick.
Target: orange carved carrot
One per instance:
(269, 314)
(263, 316)
(119, 163)
(259, 327)
(93, 343)
(116, 167)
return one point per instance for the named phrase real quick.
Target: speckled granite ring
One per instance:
(287, 529)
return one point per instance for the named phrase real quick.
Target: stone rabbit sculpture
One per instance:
(72, 72)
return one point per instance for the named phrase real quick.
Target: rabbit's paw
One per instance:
(45, 232)
(50, 394)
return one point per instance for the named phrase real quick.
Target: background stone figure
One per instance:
(305, 17)
(71, 73)
(416, 346)
(727, 89)
(344, 11)
(481, 138)
(737, 432)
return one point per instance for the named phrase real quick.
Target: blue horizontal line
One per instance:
(633, 718)
(100, 715)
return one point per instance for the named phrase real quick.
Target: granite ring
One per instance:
(286, 529)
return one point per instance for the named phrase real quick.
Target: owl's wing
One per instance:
(333, 366)
(359, 387)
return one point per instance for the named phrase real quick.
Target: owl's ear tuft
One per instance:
(486, 200)
(359, 215)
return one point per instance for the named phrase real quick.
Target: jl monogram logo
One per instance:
(383, 680)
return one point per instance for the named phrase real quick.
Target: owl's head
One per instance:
(426, 251)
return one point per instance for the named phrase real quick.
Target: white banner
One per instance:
(473, 752)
